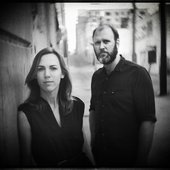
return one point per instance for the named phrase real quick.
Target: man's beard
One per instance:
(107, 58)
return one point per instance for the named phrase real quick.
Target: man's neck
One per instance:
(110, 67)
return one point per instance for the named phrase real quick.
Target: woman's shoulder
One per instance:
(78, 101)
(25, 107)
(78, 107)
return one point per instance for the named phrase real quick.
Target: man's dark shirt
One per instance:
(120, 101)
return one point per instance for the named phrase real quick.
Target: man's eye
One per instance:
(97, 43)
(106, 41)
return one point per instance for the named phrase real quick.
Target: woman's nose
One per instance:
(47, 73)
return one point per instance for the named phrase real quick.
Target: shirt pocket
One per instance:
(119, 96)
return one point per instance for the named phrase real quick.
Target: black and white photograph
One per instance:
(85, 85)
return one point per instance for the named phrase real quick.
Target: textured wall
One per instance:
(15, 57)
(13, 68)
(25, 28)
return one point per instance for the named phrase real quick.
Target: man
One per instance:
(122, 107)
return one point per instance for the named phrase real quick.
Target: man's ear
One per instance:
(117, 42)
(92, 44)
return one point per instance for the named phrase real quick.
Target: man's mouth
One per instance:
(103, 55)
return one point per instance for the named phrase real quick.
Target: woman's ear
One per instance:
(62, 76)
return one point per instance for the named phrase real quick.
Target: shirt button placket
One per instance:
(102, 115)
(104, 93)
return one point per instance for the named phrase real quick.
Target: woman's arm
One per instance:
(24, 131)
(86, 148)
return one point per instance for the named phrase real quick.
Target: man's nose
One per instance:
(102, 46)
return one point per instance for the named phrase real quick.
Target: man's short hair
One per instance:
(101, 27)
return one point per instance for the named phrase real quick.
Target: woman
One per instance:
(50, 120)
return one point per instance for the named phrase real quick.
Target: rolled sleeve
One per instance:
(143, 95)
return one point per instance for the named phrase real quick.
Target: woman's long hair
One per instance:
(65, 88)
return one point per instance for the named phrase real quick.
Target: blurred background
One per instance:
(26, 28)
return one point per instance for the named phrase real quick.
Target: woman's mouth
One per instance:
(48, 82)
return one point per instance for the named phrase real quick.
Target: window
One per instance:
(108, 13)
(116, 13)
(108, 19)
(122, 13)
(124, 22)
(149, 27)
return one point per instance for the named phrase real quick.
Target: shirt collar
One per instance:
(119, 66)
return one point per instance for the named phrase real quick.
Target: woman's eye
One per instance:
(40, 68)
(53, 68)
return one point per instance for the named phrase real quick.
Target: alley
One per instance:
(160, 153)
(26, 28)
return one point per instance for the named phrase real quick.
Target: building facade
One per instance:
(147, 33)
(88, 20)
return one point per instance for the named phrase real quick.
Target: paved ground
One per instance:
(160, 153)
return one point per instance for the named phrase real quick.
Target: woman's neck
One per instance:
(51, 98)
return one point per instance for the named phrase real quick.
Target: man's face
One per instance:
(104, 45)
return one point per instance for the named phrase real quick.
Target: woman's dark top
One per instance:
(54, 145)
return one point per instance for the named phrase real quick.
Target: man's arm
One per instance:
(146, 132)
(92, 125)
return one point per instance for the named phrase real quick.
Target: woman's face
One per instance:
(49, 73)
